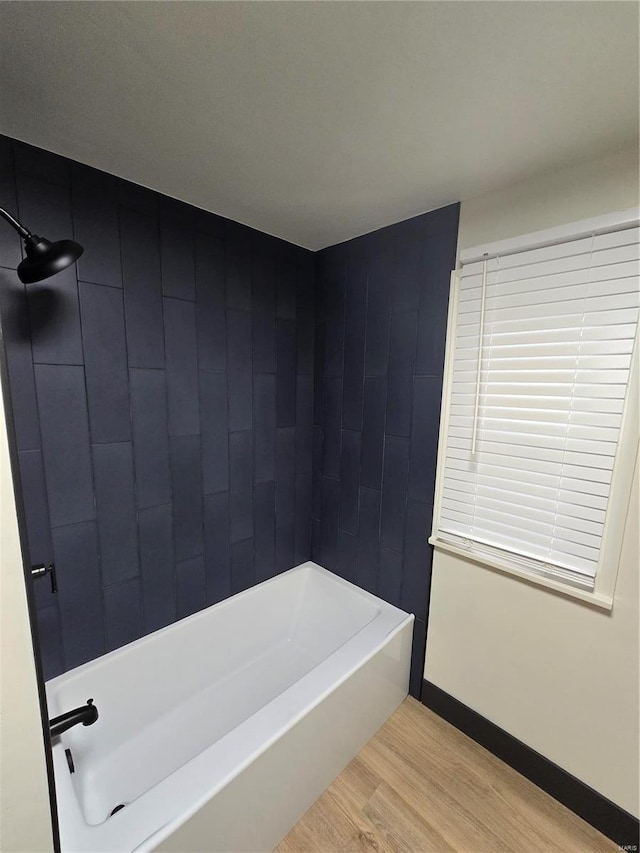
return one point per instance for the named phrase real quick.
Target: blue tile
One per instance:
(53, 304)
(134, 197)
(355, 317)
(334, 299)
(400, 379)
(394, 492)
(439, 260)
(378, 314)
(105, 354)
(17, 344)
(264, 324)
(79, 593)
(305, 315)
(424, 437)
(349, 481)
(140, 247)
(155, 532)
(123, 613)
(48, 620)
(316, 541)
(334, 343)
(264, 344)
(211, 312)
(408, 273)
(368, 538)
(40, 545)
(190, 586)
(241, 462)
(285, 476)
(96, 228)
(304, 424)
(218, 556)
(390, 576)
(416, 676)
(214, 432)
(347, 555)
(67, 460)
(241, 484)
(286, 289)
(264, 530)
(417, 559)
(90, 182)
(286, 373)
(263, 284)
(318, 365)
(306, 288)
(239, 374)
(40, 164)
(186, 478)
(302, 522)
(116, 506)
(150, 437)
(177, 261)
(43, 597)
(331, 402)
(285, 548)
(182, 366)
(444, 220)
(179, 214)
(329, 522)
(54, 316)
(375, 404)
(238, 277)
(305, 333)
(264, 409)
(242, 574)
(34, 494)
(316, 492)
(10, 243)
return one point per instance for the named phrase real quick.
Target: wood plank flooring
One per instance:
(421, 785)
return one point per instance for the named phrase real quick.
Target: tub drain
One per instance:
(117, 809)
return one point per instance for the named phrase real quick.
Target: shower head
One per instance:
(43, 258)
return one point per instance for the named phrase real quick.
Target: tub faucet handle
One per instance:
(41, 571)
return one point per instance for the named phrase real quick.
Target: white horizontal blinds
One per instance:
(553, 353)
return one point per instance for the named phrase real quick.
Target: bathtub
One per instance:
(218, 732)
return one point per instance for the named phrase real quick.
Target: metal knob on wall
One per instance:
(41, 571)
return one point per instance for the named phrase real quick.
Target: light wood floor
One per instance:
(421, 785)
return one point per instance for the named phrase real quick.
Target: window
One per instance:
(540, 347)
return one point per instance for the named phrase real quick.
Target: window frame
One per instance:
(625, 460)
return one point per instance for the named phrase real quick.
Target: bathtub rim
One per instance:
(77, 835)
(52, 684)
(167, 829)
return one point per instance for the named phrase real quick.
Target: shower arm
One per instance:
(41, 257)
(22, 231)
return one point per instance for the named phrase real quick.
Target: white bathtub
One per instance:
(219, 732)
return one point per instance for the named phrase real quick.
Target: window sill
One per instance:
(595, 599)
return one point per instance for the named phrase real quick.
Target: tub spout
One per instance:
(85, 714)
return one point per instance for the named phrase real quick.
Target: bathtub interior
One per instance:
(167, 697)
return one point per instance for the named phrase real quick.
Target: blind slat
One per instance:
(557, 338)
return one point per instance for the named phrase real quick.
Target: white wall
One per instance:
(25, 821)
(559, 675)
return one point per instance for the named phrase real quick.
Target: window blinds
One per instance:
(541, 358)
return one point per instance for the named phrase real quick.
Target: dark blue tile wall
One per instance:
(381, 312)
(162, 394)
(194, 412)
